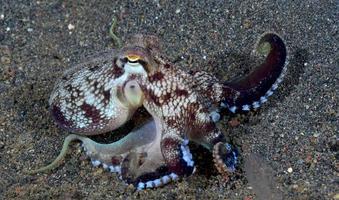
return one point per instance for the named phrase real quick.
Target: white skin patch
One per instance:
(245, 107)
(256, 104)
(186, 154)
(90, 98)
(134, 68)
(233, 109)
(215, 116)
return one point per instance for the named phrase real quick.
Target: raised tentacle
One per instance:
(225, 158)
(253, 90)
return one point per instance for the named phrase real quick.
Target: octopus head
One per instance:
(139, 53)
(95, 97)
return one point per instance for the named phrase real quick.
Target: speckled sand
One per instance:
(289, 148)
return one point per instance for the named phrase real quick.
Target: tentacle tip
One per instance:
(36, 171)
(58, 160)
(155, 183)
(29, 172)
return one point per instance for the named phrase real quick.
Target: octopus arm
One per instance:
(253, 90)
(110, 155)
(225, 156)
(176, 152)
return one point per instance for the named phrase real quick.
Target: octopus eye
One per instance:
(133, 59)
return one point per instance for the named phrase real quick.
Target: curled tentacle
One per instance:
(253, 90)
(225, 158)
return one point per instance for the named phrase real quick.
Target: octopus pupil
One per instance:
(135, 61)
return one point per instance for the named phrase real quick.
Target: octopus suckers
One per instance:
(186, 155)
(157, 182)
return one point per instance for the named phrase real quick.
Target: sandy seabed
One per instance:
(289, 147)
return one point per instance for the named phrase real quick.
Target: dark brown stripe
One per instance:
(107, 95)
(59, 117)
(157, 76)
(180, 92)
(91, 112)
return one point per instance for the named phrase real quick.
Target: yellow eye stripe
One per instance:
(133, 58)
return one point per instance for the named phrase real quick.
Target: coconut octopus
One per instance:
(103, 94)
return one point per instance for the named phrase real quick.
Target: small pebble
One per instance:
(309, 159)
(316, 135)
(248, 198)
(234, 123)
(99, 171)
(334, 144)
(71, 26)
(300, 161)
(247, 23)
(290, 170)
(5, 60)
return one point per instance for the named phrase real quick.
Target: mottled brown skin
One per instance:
(180, 102)
(184, 106)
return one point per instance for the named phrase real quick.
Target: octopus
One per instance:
(102, 94)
